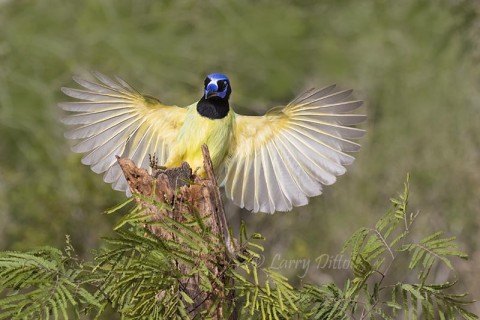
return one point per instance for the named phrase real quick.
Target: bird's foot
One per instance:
(154, 163)
(156, 169)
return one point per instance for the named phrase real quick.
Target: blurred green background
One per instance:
(416, 63)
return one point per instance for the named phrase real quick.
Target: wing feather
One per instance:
(312, 94)
(103, 159)
(280, 199)
(279, 160)
(96, 87)
(126, 86)
(325, 99)
(248, 193)
(294, 190)
(329, 138)
(92, 106)
(290, 191)
(310, 160)
(114, 119)
(331, 129)
(113, 174)
(302, 175)
(107, 81)
(90, 129)
(275, 193)
(234, 187)
(256, 182)
(93, 118)
(333, 107)
(92, 95)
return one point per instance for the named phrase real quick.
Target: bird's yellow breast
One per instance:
(196, 131)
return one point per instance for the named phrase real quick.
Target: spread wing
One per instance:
(280, 159)
(114, 119)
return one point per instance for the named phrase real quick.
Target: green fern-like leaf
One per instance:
(141, 276)
(43, 284)
(431, 249)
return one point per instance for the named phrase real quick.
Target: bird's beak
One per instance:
(211, 90)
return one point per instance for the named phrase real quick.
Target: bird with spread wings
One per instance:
(266, 163)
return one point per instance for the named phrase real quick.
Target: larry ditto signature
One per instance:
(323, 261)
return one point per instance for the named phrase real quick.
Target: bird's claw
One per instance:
(153, 161)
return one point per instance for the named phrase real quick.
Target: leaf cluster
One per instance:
(375, 251)
(44, 283)
(140, 276)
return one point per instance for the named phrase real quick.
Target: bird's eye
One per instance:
(222, 84)
(207, 81)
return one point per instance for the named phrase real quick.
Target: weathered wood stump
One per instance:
(185, 193)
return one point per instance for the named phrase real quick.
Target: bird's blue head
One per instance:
(217, 85)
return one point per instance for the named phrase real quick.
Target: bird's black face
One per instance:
(217, 85)
(214, 102)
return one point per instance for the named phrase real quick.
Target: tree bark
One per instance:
(184, 192)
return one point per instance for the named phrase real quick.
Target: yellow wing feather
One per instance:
(278, 160)
(114, 119)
